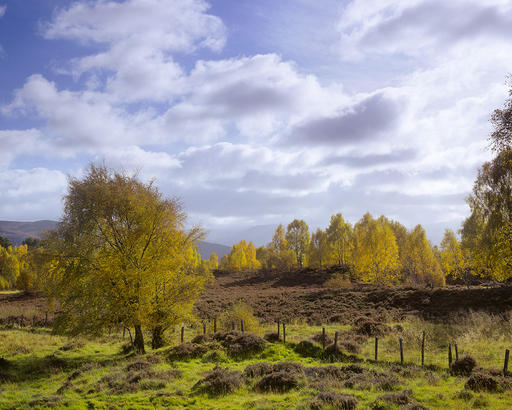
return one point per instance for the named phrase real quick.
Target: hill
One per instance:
(17, 231)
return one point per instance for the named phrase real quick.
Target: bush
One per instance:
(334, 400)
(139, 364)
(272, 337)
(239, 344)
(321, 339)
(482, 381)
(371, 328)
(238, 312)
(72, 346)
(280, 382)
(288, 367)
(463, 367)
(338, 281)
(187, 351)
(257, 369)
(201, 339)
(220, 381)
(400, 399)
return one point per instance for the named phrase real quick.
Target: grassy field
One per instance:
(41, 370)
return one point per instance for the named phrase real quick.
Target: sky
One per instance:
(255, 112)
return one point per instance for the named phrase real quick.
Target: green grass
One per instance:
(42, 371)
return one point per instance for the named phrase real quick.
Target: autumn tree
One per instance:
(375, 252)
(339, 237)
(318, 252)
(451, 256)
(5, 242)
(420, 263)
(242, 256)
(486, 233)
(121, 257)
(277, 254)
(297, 239)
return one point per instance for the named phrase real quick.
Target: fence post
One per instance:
(505, 365)
(232, 325)
(284, 332)
(242, 325)
(215, 325)
(323, 338)
(456, 351)
(46, 320)
(450, 355)
(182, 333)
(423, 349)
(335, 341)
(278, 329)
(376, 348)
(204, 328)
(401, 351)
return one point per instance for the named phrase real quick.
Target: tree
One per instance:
(5, 242)
(318, 249)
(278, 255)
(121, 257)
(214, 261)
(452, 259)
(375, 252)
(420, 264)
(32, 243)
(339, 237)
(485, 233)
(297, 239)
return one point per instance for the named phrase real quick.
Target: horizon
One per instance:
(255, 114)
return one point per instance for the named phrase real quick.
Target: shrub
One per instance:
(239, 344)
(277, 382)
(463, 367)
(371, 328)
(334, 400)
(186, 351)
(71, 346)
(220, 381)
(201, 339)
(400, 399)
(288, 367)
(272, 337)
(139, 364)
(257, 369)
(321, 339)
(238, 312)
(482, 381)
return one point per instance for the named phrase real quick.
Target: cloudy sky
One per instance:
(254, 112)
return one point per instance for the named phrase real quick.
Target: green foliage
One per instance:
(119, 235)
(297, 240)
(340, 240)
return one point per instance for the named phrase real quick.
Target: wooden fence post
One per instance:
(232, 325)
(376, 348)
(323, 338)
(505, 365)
(182, 333)
(242, 325)
(335, 341)
(215, 325)
(278, 329)
(401, 351)
(204, 328)
(284, 332)
(456, 351)
(449, 355)
(423, 349)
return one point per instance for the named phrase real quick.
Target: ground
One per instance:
(235, 370)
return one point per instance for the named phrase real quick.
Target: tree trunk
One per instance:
(157, 339)
(138, 342)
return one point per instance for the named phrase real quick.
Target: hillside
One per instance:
(17, 231)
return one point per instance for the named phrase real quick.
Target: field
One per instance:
(241, 370)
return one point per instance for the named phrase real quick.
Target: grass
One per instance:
(47, 370)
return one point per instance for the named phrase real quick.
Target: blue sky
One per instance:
(254, 112)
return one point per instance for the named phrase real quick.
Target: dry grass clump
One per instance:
(46, 402)
(134, 380)
(371, 328)
(338, 281)
(278, 382)
(187, 351)
(257, 369)
(220, 381)
(334, 400)
(402, 398)
(240, 344)
(323, 339)
(463, 367)
(484, 381)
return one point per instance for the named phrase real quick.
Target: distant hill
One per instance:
(259, 235)
(16, 232)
